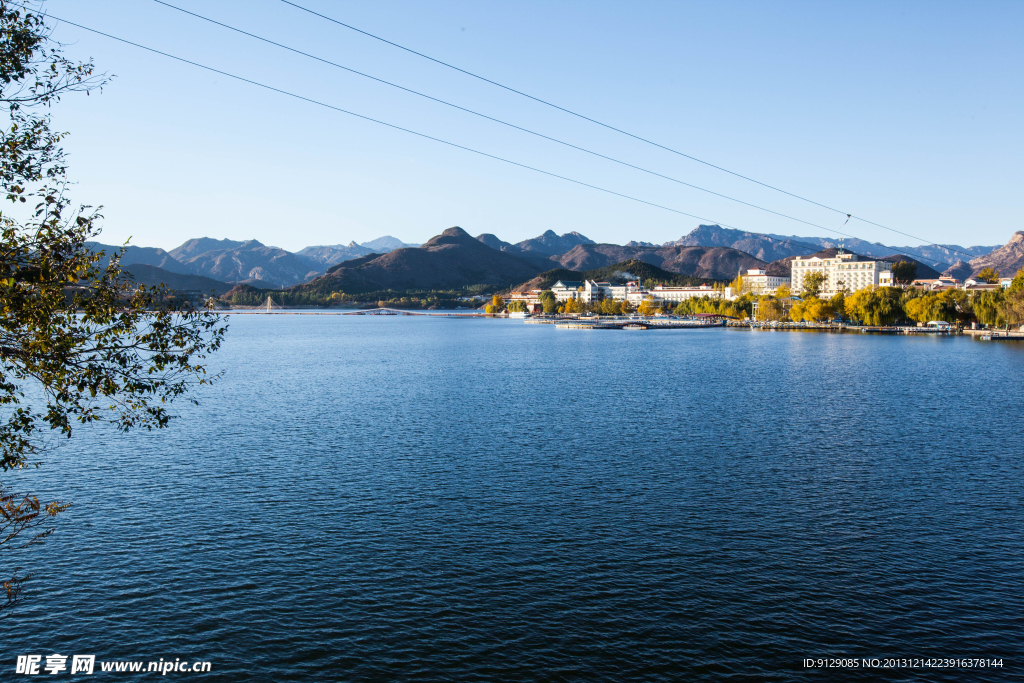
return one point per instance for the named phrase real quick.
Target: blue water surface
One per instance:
(411, 498)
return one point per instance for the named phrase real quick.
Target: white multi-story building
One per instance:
(566, 289)
(677, 294)
(591, 292)
(760, 282)
(843, 272)
(598, 291)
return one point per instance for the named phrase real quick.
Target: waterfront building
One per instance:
(636, 297)
(759, 282)
(844, 271)
(974, 286)
(595, 291)
(676, 294)
(591, 291)
(936, 284)
(566, 289)
(530, 298)
(599, 291)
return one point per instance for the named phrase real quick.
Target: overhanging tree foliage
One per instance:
(79, 341)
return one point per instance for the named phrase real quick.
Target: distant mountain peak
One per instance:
(720, 263)
(763, 247)
(325, 256)
(454, 235)
(1007, 259)
(148, 256)
(551, 244)
(385, 244)
(772, 248)
(202, 245)
(494, 242)
(453, 259)
(959, 270)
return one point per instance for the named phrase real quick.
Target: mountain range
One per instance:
(326, 256)
(769, 247)
(455, 259)
(720, 263)
(1007, 259)
(249, 261)
(451, 260)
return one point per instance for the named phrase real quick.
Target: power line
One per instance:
(619, 130)
(491, 118)
(418, 134)
(496, 120)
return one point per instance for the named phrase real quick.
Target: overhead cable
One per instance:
(417, 133)
(491, 118)
(848, 214)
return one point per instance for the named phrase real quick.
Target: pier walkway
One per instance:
(636, 324)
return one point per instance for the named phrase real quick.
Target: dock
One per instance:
(947, 331)
(635, 324)
(998, 335)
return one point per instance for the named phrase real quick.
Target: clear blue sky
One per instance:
(907, 113)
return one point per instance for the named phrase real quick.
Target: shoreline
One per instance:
(651, 323)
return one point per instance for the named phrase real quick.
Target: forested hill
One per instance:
(154, 276)
(633, 269)
(709, 262)
(452, 260)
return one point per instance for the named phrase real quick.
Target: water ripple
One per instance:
(388, 499)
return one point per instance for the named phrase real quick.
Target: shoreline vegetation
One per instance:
(325, 294)
(890, 306)
(455, 271)
(871, 306)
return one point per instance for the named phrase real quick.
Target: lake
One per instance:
(414, 498)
